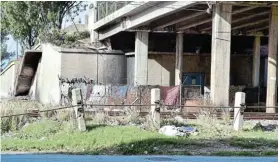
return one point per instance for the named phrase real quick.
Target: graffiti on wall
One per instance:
(114, 94)
(66, 85)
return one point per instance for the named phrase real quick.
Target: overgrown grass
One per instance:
(49, 135)
(245, 153)
(130, 135)
(11, 107)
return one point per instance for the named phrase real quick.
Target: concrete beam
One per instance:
(180, 20)
(241, 19)
(126, 10)
(271, 95)
(92, 21)
(209, 20)
(220, 54)
(141, 58)
(250, 24)
(179, 59)
(148, 15)
(254, 31)
(256, 62)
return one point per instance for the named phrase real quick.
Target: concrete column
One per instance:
(77, 102)
(155, 97)
(272, 61)
(179, 59)
(220, 54)
(141, 58)
(256, 62)
(238, 115)
(92, 21)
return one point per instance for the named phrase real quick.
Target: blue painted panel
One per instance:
(193, 79)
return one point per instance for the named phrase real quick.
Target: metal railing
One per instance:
(107, 7)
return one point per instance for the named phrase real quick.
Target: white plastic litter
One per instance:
(171, 130)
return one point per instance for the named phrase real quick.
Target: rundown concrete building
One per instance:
(214, 46)
(41, 70)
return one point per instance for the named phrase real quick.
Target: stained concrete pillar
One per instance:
(92, 21)
(271, 95)
(256, 62)
(220, 54)
(179, 59)
(141, 58)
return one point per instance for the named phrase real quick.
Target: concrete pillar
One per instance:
(141, 58)
(256, 62)
(220, 54)
(155, 98)
(92, 21)
(77, 102)
(272, 61)
(238, 115)
(179, 59)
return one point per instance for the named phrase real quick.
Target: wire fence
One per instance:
(217, 110)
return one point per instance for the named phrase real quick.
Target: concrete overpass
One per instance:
(219, 19)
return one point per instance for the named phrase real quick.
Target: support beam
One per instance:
(242, 19)
(149, 14)
(179, 59)
(141, 58)
(180, 20)
(250, 24)
(209, 20)
(271, 94)
(254, 31)
(122, 12)
(256, 62)
(92, 21)
(220, 54)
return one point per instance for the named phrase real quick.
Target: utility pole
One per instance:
(16, 49)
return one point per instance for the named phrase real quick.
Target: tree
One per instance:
(26, 20)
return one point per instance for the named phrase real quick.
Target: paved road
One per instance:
(88, 158)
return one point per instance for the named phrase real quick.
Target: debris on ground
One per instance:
(269, 127)
(171, 130)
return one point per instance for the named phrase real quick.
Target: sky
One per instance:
(12, 44)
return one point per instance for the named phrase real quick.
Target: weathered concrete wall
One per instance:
(48, 90)
(162, 68)
(130, 70)
(7, 80)
(102, 68)
(112, 69)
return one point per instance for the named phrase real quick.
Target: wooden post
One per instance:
(238, 110)
(271, 93)
(79, 110)
(155, 109)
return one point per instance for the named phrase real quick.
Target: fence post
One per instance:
(79, 110)
(238, 110)
(155, 109)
